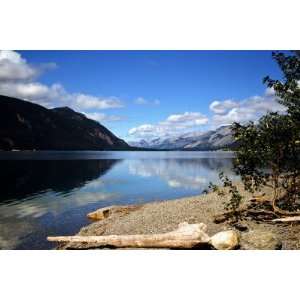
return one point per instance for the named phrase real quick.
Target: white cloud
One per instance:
(221, 107)
(18, 79)
(143, 129)
(174, 124)
(140, 101)
(187, 119)
(101, 117)
(14, 67)
(224, 113)
(250, 109)
(49, 96)
(91, 102)
(270, 92)
(143, 101)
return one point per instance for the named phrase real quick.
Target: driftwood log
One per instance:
(186, 236)
(105, 212)
(288, 219)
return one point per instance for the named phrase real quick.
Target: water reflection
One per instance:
(192, 174)
(50, 194)
(19, 179)
(31, 190)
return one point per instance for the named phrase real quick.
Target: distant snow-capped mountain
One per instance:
(209, 140)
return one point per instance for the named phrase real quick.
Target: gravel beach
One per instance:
(164, 216)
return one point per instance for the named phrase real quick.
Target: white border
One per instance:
(153, 24)
(152, 274)
(149, 24)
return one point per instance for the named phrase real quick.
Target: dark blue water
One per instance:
(50, 193)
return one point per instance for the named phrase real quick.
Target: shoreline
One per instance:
(164, 216)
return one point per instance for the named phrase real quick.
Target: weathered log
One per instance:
(186, 236)
(106, 212)
(287, 219)
(261, 198)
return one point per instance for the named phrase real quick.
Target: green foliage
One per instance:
(235, 197)
(287, 90)
(215, 189)
(268, 152)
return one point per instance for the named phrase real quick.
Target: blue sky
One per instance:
(143, 94)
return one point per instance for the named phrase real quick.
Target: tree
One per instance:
(287, 90)
(268, 152)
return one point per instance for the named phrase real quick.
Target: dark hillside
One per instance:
(26, 126)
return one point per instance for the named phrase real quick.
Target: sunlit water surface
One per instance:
(50, 193)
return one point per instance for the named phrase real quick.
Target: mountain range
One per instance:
(219, 138)
(27, 126)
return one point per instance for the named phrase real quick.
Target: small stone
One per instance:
(225, 240)
(260, 240)
(241, 227)
(220, 219)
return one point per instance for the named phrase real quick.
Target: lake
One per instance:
(49, 192)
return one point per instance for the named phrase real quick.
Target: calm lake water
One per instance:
(50, 193)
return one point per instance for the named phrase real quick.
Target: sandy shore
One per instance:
(164, 216)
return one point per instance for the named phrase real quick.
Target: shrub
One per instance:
(268, 152)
